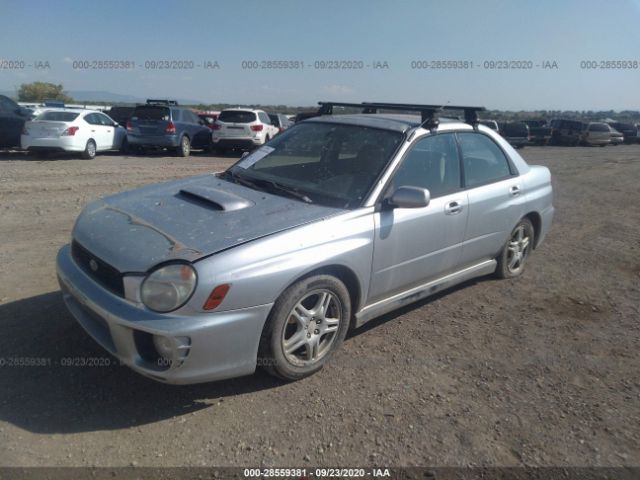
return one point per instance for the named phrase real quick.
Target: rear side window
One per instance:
(189, 116)
(176, 115)
(59, 116)
(150, 113)
(484, 162)
(237, 116)
(598, 127)
(264, 118)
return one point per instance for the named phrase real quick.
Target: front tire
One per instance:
(306, 326)
(513, 258)
(89, 152)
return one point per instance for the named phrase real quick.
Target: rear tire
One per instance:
(306, 326)
(514, 255)
(124, 148)
(89, 150)
(185, 147)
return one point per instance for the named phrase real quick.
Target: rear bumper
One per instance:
(164, 141)
(240, 143)
(222, 345)
(66, 144)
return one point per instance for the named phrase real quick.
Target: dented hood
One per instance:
(185, 219)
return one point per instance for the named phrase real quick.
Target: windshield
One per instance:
(57, 116)
(323, 163)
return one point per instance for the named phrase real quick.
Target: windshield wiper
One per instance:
(241, 180)
(289, 191)
(270, 184)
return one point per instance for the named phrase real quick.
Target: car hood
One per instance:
(185, 219)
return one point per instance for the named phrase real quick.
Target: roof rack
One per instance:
(151, 101)
(427, 112)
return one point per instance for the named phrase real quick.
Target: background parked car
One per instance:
(492, 124)
(304, 115)
(164, 124)
(566, 132)
(596, 134)
(539, 131)
(209, 118)
(121, 113)
(617, 138)
(12, 120)
(70, 130)
(516, 133)
(242, 129)
(280, 121)
(628, 130)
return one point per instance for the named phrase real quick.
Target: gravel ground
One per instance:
(541, 370)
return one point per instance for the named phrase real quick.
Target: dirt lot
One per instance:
(542, 370)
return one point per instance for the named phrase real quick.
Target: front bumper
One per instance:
(222, 344)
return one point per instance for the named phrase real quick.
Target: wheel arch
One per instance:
(536, 221)
(343, 273)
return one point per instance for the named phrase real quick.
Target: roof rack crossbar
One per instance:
(427, 112)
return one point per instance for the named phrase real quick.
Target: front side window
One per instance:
(432, 163)
(484, 162)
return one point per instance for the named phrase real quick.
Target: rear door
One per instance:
(111, 139)
(97, 131)
(415, 245)
(495, 194)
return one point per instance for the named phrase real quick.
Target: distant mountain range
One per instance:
(103, 96)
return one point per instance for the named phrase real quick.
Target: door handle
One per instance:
(454, 207)
(514, 190)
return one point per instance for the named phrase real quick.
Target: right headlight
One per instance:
(169, 287)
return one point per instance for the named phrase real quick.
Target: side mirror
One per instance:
(410, 197)
(116, 124)
(202, 122)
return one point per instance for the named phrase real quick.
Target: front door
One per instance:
(415, 245)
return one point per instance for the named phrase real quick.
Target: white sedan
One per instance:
(84, 131)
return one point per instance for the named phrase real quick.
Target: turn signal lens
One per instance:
(216, 297)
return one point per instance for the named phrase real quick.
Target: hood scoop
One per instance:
(214, 198)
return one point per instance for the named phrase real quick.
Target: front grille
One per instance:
(103, 273)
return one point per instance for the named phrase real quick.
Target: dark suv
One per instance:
(164, 124)
(566, 132)
(12, 118)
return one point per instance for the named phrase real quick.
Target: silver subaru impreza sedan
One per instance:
(338, 220)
